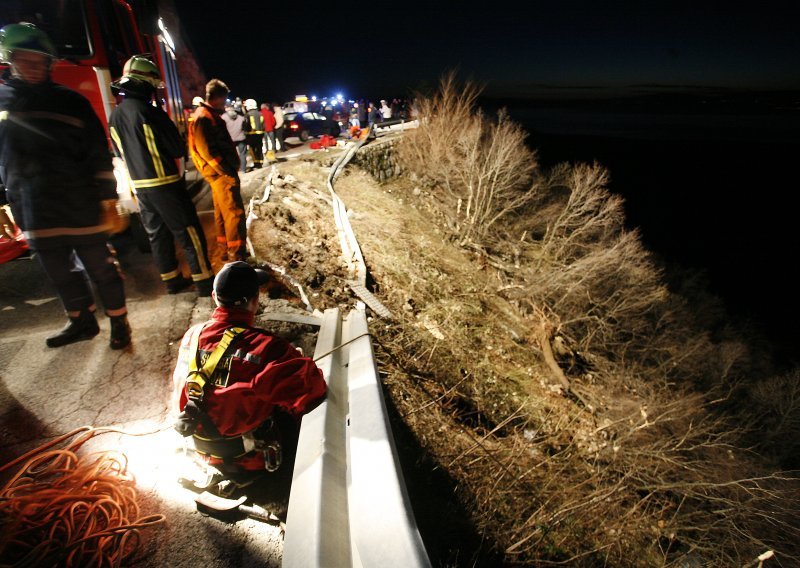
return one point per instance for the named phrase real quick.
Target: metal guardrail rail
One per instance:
(348, 505)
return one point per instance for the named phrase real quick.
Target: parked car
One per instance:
(307, 124)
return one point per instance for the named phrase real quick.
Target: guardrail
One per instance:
(348, 504)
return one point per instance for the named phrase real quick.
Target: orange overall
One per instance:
(216, 158)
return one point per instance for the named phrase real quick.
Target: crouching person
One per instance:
(233, 380)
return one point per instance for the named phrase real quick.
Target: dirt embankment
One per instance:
(503, 469)
(443, 310)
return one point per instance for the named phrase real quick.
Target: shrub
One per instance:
(480, 169)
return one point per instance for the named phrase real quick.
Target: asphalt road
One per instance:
(47, 392)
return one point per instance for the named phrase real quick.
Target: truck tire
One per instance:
(138, 233)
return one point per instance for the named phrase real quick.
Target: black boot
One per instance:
(120, 332)
(177, 285)
(204, 287)
(77, 329)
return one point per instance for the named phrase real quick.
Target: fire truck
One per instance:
(94, 39)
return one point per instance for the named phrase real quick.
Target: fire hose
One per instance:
(65, 509)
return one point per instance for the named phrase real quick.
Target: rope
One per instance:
(348, 342)
(62, 509)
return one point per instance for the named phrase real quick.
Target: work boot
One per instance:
(204, 287)
(77, 329)
(120, 332)
(177, 285)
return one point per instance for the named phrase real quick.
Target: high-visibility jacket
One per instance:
(255, 121)
(212, 150)
(148, 141)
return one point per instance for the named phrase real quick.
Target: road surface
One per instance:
(48, 392)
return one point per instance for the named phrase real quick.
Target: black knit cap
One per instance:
(237, 283)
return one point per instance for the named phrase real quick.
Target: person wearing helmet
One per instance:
(261, 388)
(255, 132)
(151, 146)
(59, 181)
(216, 159)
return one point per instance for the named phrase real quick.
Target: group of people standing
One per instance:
(363, 114)
(57, 176)
(56, 173)
(257, 130)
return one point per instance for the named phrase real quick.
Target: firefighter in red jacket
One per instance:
(215, 156)
(232, 379)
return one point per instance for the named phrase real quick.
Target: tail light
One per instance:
(293, 126)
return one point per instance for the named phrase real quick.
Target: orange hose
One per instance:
(65, 509)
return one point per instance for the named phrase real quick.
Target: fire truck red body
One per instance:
(94, 38)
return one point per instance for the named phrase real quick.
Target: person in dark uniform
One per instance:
(59, 180)
(255, 132)
(149, 142)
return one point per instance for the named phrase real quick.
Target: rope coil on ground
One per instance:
(65, 509)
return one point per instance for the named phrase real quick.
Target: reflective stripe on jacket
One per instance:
(255, 121)
(148, 141)
(54, 160)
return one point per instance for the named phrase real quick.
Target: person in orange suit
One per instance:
(217, 160)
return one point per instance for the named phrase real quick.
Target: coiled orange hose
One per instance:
(62, 509)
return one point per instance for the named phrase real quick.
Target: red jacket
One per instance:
(262, 372)
(269, 119)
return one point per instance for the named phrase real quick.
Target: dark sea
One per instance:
(711, 183)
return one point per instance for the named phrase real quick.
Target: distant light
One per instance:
(340, 97)
(313, 97)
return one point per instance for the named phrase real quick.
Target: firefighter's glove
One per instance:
(110, 217)
(7, 226)
(187, 421)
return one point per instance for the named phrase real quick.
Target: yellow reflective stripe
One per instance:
(210, 365)
(152, 182)
(170, 275)
(117, 141)
(68, 231)
(151, 145)
(201, 258)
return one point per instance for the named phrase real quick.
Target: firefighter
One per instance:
(59, 180)
(255, 132)
(214, 154)
(234, 383)
(143, 135)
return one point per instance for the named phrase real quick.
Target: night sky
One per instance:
(513, 49)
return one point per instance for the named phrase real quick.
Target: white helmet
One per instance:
(197, 101)
(250, 104)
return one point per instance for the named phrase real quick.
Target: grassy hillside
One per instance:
(558, 401)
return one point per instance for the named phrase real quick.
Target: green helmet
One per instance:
(143, 69)
(24, 37)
